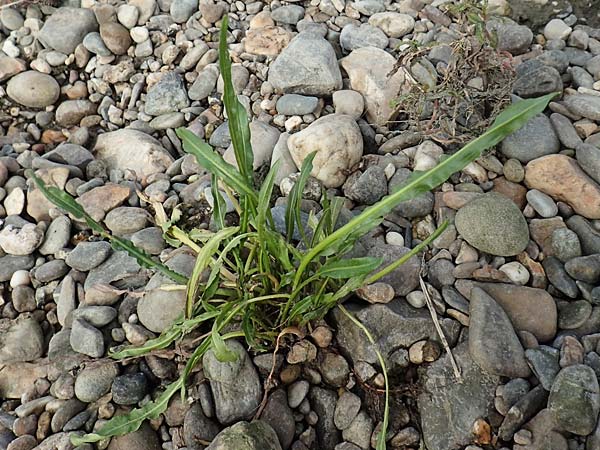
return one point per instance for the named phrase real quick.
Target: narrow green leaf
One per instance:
(128, 423)
(64, 201)
(292, 212)
(215, 163)
(510, 120)
(219, 207)
(348, 268)
(222, 352)
(203, 260)
(238, 118)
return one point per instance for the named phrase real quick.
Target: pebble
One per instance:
(86, 339)
(294, 104)
(21, 242)
(233, 400)
(516, 272)
(542, 203)
(534, 140)
(493, 224)
(493, 343)
(574, 187)
(565, 244)
(129, 389)
(33, 89)
(306, 66)
(95, 381)
(575, 399)
(557, 29)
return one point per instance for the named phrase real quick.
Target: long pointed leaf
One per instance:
(510, 120)
(215, 163)
(64, 201)
(128, 423)
(238, 118)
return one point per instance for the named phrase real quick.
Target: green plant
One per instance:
(255, 280)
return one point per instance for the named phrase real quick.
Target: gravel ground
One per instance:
(90, 95)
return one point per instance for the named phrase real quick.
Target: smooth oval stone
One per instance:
(493, 224)
(33, 89)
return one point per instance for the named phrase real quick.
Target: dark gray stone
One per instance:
(405, 278)
(543, 361)
(449, 408)
(493, 342)
(88, 255)
(368, 187)
(537, 82)
(392, 325)
(588, 236)
(236, 387)
(588, 157)
(66, 28)
(129, 389)
(9, 264)
(197, 428)
(419, 206)
(574, 314)
(575, 399)
(323, 403)
(584, 268)
(558, 276)
(278, 414)
(534, 140)
(565, 130)
(522, 411)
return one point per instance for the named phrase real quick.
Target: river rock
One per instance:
(372, 72)
(529, 309)
(493, 343)
(20, 340)
(257, 435)
(493, 224)
(235, 385)
(395, 25)
(535, 139)
(134, 150)
(339, 145)
(575, 399)
(33, 89)
(563, 179)
(168, 95)
(393, 325)
(66, 28)
(449, 408)
(584, 105)
(308, 65)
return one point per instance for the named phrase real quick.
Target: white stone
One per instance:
(476, 172)
(394, 238)
(557, 29)
(348, 102)
(516, 272)
(466, 254)
(427, 155)
(372, 72)
(293, 123)
(281, 153)
(416, 299)
(134, 150)
(393, 24)
(263, 138)
(14, 203)
(23, 241)
(139, 34)
(20, 278)
(338, 144)
(128, 15)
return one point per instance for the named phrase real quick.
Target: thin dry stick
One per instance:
(436, 321)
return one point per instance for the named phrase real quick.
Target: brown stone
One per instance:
(10, 66)
(538, 275)
(37, 205)
(116, 37)
(529, 309)
(53, 137)
(563, 179)
(266, 41)
(456, 199)
(514, 191)
(376, 293)
(541, 232)
(98, 201)
(17, 378)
